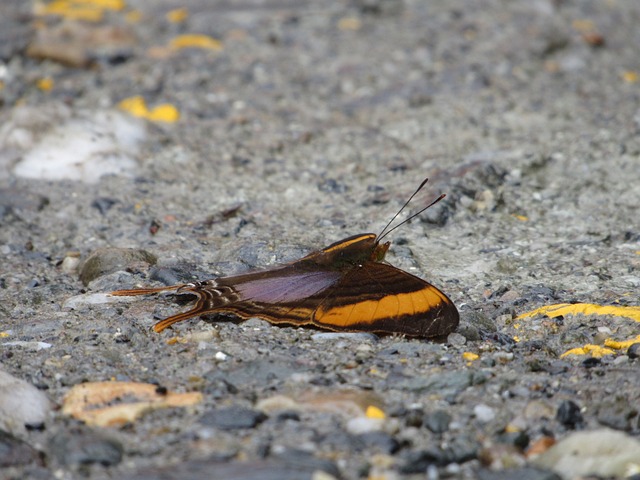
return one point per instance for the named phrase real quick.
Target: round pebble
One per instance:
(438, 421)
(81, 446)
(484, 413)
(233, 418)
(569, 415)
(634, 351)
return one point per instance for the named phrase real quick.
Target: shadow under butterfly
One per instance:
(343, 287)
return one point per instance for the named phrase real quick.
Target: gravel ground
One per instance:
(308, 123)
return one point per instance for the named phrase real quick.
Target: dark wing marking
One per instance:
(381, 298)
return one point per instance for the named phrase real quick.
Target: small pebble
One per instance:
(14, 452)
(518, 439)
(600, 337)
(360, 425)
(287, 415)
(287, 466)
(569, 415)
(455, 339)
(520, 473)
(81, 446)
(438, 421)
(484, 413)
(233, 418)
(71, 262)
(354, 337)
(502, 357)
(462, 449)
(417, 461)
(617, 413)
(621, 360)
(108, 260)
(537, 410)
(80, 301)
(33, 346)
(380, 441)
(221, 356)
(256, 324)
(103, 204)
(414, 417)
(591, 362)
(634, 351)
(442, 383)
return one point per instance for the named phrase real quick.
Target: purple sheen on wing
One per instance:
(288, 288)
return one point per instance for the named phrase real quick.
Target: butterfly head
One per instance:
(367, 247)
(380, 250)
(354, 250)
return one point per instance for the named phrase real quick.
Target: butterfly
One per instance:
(343, 287)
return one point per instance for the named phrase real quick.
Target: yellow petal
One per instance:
(195, 41)
(177, 15)
(374, 412)
(563, 309)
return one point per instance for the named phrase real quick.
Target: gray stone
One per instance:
(14, 451)
(109, 260)
(525, 473)
(233, 418)
(442, 383)
(217, 470)
(81, 446)
(437, 421)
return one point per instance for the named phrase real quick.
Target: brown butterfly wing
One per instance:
(285, 296)
(373, 297)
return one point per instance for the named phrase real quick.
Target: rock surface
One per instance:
(275, 128)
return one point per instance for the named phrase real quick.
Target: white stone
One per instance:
(84, 148)
(21, 404)
(78, 301)
(484, 413)
(602, 453)
(359, 425)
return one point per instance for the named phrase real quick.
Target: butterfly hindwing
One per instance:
(380, 298)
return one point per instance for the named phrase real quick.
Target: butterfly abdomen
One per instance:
(213, 294)
(211, 297)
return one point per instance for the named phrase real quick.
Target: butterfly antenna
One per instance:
(382, 233)
(386, 232)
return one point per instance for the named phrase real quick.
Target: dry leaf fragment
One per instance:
(350, 404)
(110, 404)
